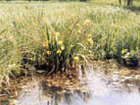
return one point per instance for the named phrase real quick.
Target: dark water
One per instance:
(97, 90)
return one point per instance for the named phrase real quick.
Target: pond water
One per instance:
(94, 89)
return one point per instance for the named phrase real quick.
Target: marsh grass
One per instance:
(63, 35)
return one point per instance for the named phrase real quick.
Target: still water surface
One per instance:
(94, 89)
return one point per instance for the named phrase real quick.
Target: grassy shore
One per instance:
(58, 36)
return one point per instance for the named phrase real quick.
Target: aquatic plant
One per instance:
(61, 51)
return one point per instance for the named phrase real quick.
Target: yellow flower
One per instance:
(90, 40)
(124, 51)
(57, 34)
(78, 25)
(58, 51)
(79, 32)
(60, 43)
(48, 52)
(45, 44)
(87, 22)
(89, 35)
(76, 58)
(62, 47)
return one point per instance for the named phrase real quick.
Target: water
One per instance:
(94, 89)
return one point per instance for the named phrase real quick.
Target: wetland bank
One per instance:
(69, 53)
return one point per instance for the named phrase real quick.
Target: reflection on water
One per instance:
(98, 91)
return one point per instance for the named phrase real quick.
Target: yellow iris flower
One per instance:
(60, 43)
(45, 44)
(76, 58)
(48, 52)
(90, 40)
(62, 47)
(87, 22)
(124, 51)
(59, 52)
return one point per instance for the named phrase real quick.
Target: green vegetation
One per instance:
(58, 36)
